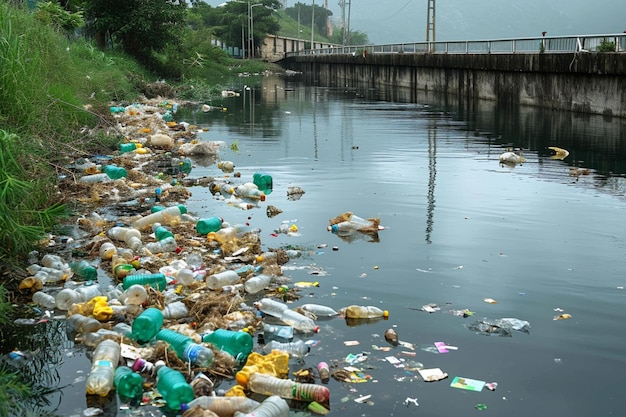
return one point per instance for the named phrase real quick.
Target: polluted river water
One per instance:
(505, 281)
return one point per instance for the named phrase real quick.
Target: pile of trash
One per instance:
(169, 304)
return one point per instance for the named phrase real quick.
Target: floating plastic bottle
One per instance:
(271, 306)
(223, 406)
(105, 360)
(277, 332)
(354, 224)
(186, 349)
(272, 406)
(131, 236)
(107, 251)
(363, 312)
(249, 191)
(295, 349)
(298, 321)
(84, 270)
(216, 281)
(183, 165)
(115, 172)
(156, 281)
(174, 388)
(147, 325)
(78, 323)
(210, 224)
(319, 310)
(257, 283)
(175, 310)
(166, 245)
(263, 181)
(128, 383)
(135, 295)
(165, 216)
(237, 344)
(226, 166)
(161, 232)
(44, 300)
(324, 370)
(285, 388)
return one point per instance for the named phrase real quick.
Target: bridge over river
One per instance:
(575, 73)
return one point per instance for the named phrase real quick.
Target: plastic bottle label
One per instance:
(300, 393)
(104, 363)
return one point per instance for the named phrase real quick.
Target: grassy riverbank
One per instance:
(55, 89)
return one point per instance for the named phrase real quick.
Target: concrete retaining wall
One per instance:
(589, 82)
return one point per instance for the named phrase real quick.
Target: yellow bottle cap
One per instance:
(385, 313)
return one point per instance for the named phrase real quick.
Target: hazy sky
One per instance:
(395, 21)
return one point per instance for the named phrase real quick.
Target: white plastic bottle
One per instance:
(135, 295)
(224, 406)
(227, 277)
(131, 236)
(257, 283)
(185, 276)
(272, 406)
(105, 359)
(319, 310)
(107, 251)
(175, 310)
(165, 216)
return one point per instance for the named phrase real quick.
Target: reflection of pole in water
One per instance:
(432, 173)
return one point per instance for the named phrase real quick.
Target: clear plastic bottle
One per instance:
(227, 277)
(223, 406)
(271, 306)
(47, 275)
(161, 232)
(147, 325)
(250, 191)
(226, 237)
(156, 281)
(135, 295)
(319, 310)
(92, 339)
(107, 251)
(298, 321)
(77, 323)
(175, 310)
(236, 343)
(363, 312)
(355, 223)
(165, 216)
(66, 298)
(131, 236)
(285, 388)
(128, 383)
(54, 261)
(257, 283)
(272, 406)
(324, 370)
(186, 349)
(105, 360)
(168, 244)
(44, 300)
(123, 329)
(295, 349)
(174, 388)
(84, 270)
(278, 333)
(88, 292)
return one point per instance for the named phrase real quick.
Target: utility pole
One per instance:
(312, 24)
(430, 23)
(345, 21)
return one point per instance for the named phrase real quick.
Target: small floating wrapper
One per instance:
(467, 384)
(559, 153)
(432, 374)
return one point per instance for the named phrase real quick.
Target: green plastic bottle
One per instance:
(263, 181)
(156, 281)
(161, 232)
(238, 344)
(208, 225)
(174, 388)
(147, 325)
(84, 270)
(128, 383)
(114, 172)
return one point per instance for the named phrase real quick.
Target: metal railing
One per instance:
(544, 44)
